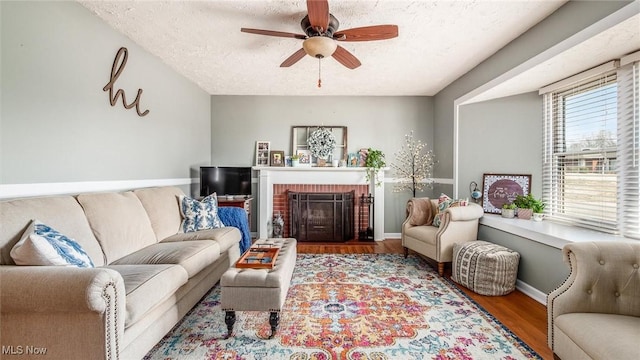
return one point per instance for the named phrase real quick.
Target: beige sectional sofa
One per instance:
(147, 274)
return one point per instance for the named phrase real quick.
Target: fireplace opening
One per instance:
(316, 216)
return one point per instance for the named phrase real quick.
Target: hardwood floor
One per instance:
(524, 316)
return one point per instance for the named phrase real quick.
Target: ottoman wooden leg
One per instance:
(274, 319)
(230, 319)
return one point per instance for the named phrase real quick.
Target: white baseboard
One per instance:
(532, 292)
(11, 191)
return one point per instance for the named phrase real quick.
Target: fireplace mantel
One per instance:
(268, 176)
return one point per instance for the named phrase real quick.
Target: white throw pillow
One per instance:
(42, 245)
(199, 215)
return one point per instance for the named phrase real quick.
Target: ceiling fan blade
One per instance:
(346, 58)
(318, 14)
(274, 33)
(367, 33)
(294, 58)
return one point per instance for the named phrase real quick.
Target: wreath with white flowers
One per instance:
(321, 143)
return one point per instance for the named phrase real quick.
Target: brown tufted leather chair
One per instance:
(595, 313)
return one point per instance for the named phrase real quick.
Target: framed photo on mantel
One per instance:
(262, 153)
(277, 158)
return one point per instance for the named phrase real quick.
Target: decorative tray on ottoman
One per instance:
(258, 257)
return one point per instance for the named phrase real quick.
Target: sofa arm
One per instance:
(85, 306)
(603, 279)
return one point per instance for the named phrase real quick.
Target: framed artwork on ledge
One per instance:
(353, 160)
(304, 157)
(262, 153)
(277, 158)
(500, 189)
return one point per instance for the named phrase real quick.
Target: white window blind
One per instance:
(590, 159)
(629, 153)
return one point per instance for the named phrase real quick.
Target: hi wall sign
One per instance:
(119, 63)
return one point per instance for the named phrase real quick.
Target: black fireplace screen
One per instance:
(321, 216)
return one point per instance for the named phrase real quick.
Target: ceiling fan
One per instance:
(321, 36)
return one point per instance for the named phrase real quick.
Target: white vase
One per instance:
(295, 163)
(538, 216)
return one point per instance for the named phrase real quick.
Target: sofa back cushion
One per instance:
(63, 213)
(163, 207)
(119, 222)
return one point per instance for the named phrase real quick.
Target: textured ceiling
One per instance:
(438, 42)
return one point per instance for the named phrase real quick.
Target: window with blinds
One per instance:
(590, 171)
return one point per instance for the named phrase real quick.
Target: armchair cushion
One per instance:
(420, 212)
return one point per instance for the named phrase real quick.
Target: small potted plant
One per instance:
(295, 160)
(527, 205)
(538, 207)
(508, 210)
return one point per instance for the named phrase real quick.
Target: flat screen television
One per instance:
(225, 180)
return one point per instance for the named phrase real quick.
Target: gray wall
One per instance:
(57, 123)
(566, 21)
(376, 122)
(502, 136)
(514, 121)
(541, 266)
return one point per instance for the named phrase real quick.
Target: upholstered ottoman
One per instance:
(259, 289)
(485, 268)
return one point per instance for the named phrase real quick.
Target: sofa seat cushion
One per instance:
(193, 256)
(147, 286)
(602, 336)
(425, 233)
(226, 237)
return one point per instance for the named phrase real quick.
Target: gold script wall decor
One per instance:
(116, 70)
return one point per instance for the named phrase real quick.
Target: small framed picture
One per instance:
(353, 160)
(500, 189)
(277, 158)
(262, 153)
(304, 157)
(362, 157)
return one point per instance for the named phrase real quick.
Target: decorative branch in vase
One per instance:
(413, 167)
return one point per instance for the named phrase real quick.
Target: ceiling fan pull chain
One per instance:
(319, 72)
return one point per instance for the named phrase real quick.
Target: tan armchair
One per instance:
(595, 313)
(459, 225)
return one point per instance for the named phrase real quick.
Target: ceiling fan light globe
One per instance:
(319, 46)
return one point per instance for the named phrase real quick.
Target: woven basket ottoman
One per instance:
(485, 268)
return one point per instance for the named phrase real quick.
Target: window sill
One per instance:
(546, 232)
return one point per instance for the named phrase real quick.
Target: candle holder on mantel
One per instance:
(366, 218)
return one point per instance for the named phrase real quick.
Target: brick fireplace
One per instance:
(280, 200)
(273, 182)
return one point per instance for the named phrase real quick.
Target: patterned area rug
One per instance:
(371, 306)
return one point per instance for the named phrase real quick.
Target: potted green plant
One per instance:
(508, 210)
(538, 208)
(373, 163)
(295, 160)
(526, 205)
